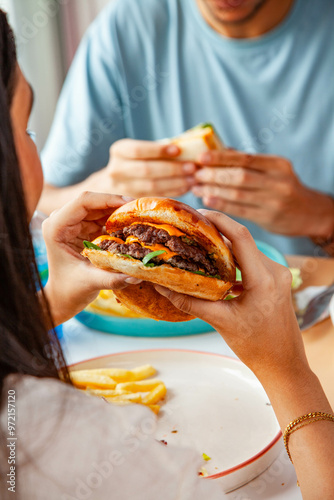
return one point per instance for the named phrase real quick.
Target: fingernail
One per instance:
(133, 281)
(206, 157)
(128, 198)
(172, 150)
(197, 191)
(200, 175)
(210, 202)
(191, 180)
(189, 168)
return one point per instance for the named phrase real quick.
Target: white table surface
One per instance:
(279, 482)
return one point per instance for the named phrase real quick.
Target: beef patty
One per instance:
(191, 256)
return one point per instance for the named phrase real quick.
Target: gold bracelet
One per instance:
(307, 419)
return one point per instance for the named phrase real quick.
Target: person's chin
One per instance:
(232, 11)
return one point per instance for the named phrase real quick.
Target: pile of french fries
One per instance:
(122, 387)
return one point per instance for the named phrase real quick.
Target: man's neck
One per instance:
(265, 18)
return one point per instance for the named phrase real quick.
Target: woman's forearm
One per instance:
(312, 446)
(50, 320)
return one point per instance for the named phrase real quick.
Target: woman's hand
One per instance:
(259, 325)
(73, 281)
(261, 328)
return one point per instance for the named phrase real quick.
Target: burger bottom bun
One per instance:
(165, 275)
(143, 299)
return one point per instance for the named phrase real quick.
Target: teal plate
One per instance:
(138, 327)
(271, 252)
(142, 327)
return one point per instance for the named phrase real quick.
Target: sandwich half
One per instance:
(196, 141)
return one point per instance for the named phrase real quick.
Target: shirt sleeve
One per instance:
(89, 115)
(77, 446)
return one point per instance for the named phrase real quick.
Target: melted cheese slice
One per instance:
(153, 248)
(172, 231)
(103, 237)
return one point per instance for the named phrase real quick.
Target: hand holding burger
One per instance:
(81, 218)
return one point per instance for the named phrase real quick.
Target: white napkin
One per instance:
(303, 298)
(331, 309)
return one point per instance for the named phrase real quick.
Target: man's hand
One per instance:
(265, 190)
(144, 168)
(73, 281)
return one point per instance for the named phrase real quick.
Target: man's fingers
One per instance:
(233, 158)
(243, 245)
(175, 193)
(142, 187)
(233, 177)
(130, 148)
(151, 169)
(242, 210)
(240, 196)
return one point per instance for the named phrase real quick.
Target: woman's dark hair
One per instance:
(28, 343)
(27, 346)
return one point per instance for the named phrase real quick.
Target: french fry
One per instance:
(83, 380)
(122, 375)
(143, 372)
(139, 386)
(116, 374)
(154, 408)
(102, 371)
(106, 294)
(122, 387)
(105, 392)
(134, 398)
(155, 395)
(121, 403)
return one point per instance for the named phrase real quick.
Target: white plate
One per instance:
(216, 405)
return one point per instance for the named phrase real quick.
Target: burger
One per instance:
(163, 241)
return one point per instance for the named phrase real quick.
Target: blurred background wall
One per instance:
(47, 34)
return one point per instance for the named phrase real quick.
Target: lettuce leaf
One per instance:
(89, 244)
(150, 256)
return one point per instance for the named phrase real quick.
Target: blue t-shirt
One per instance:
(149, 69)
